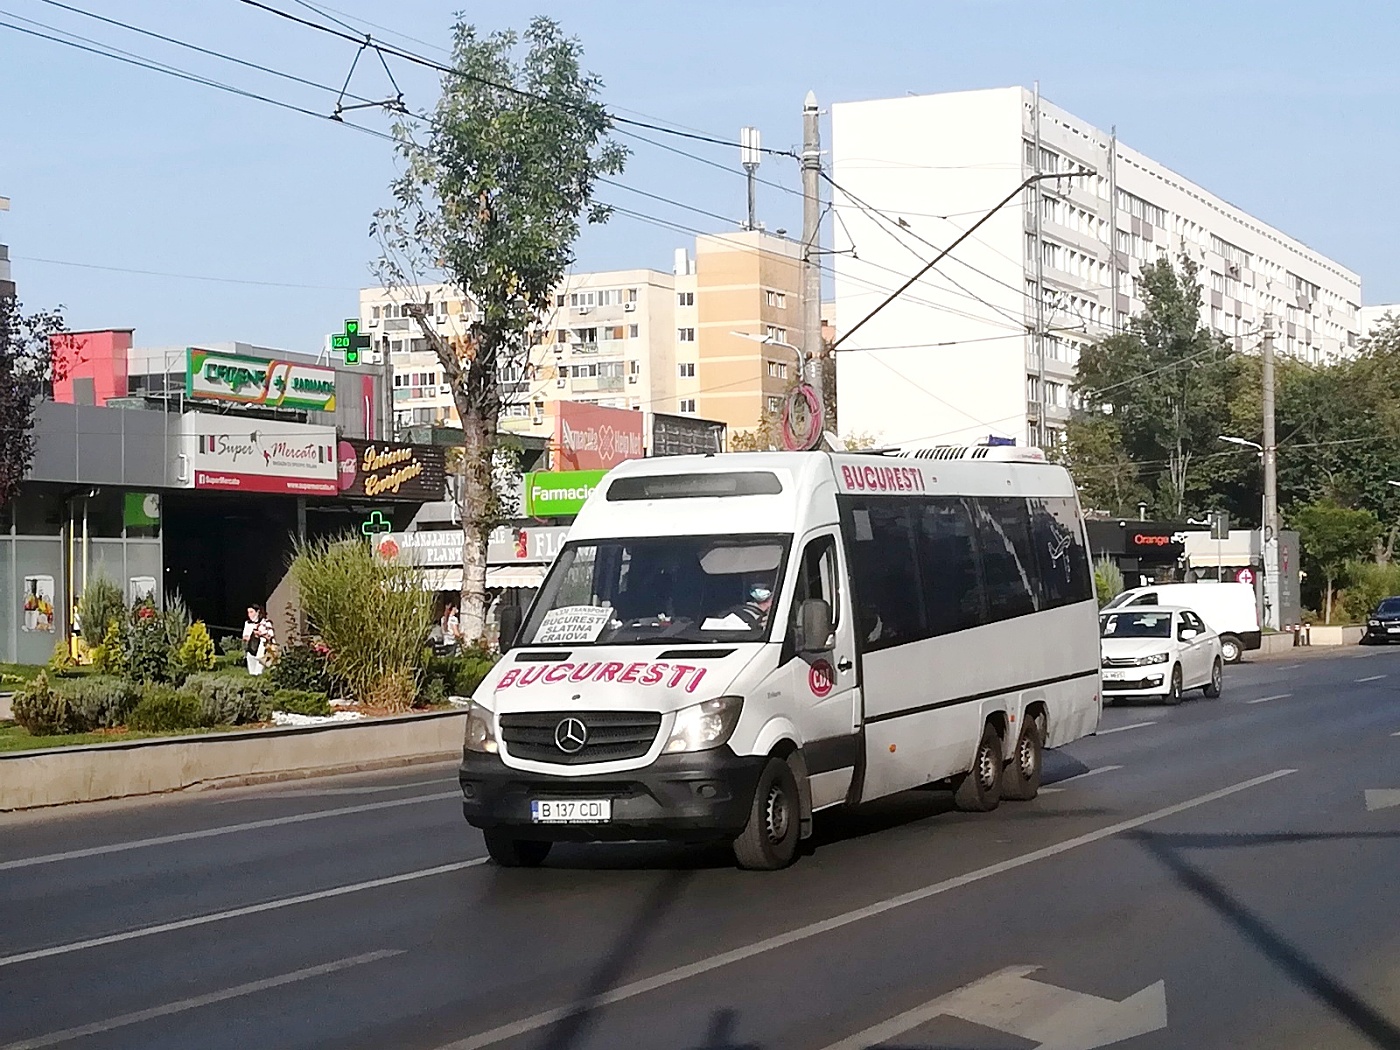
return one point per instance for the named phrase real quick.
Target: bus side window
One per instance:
(818, 577)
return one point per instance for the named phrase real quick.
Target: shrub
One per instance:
(196, 652)
(100, 606)
(164, 709)
(228, 700)
(232, 645)
(301, 702)
(1108, 581)
(372, 614)
(434, 691)
(44, 711)
(109, 657)
(175, 622)
(101, 701)
(462, 672)
(147, 652)
(302, 666)
(62, 658)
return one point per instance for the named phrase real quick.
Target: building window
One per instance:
(777, 370)
(775, 404)
(685, 298)
(776, 334)
(634, 331)
(688, 405)
(777, 299)
(559, 299)
(685, 335)
(586, 335)
(581, 299)
(442, 309)
(687, 369)
(607, 297)
(631, 295)
(634, 367)
(374, 312)
(561, 336)
(615, 332)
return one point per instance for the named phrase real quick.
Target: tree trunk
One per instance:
(477, 500)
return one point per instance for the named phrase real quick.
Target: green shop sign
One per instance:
(212, 376)
(553, 493)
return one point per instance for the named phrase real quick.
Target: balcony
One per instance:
(599, 384)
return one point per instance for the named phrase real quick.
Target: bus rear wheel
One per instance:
(979, 790)
(1020, 781)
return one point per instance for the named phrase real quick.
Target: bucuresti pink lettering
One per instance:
(630, 675)
(882, 479)
(583, 672)
(558, 672)
(654, 673)
(681, 676)
(608, 672)
(508, 679)
(695, 682)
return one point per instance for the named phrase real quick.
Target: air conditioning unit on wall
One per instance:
(629, 308)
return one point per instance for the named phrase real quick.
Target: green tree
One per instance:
(25, 374)
(492, 201)
(1166, 381)
(1331, 535)
(1107, 477)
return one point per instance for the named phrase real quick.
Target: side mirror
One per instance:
(1187, 633)
(814, 626)
(510, 626)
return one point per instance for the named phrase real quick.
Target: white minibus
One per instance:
(729, 644)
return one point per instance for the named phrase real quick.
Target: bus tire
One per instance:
(979, 789)
(510, 852)
(1020, 779)
(770, 839)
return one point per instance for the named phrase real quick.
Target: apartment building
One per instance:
(7, 283)
(986, 345)
(715, 338)
(1373, 317)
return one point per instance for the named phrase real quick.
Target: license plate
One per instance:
(1113, 676)
(571, 811)
(1393, 630)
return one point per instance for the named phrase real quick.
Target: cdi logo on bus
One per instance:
(821, 679)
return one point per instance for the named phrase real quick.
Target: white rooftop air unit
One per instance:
(995, 453)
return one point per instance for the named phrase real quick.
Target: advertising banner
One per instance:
(232, 453)
(591, 437)
(550, 494)
(685, 435)
(383, 470)
(213, 376)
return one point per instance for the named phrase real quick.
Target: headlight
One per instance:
(1155, 658)
(1104, 662)
(1374, 623)
(481, 731)
(705, 726)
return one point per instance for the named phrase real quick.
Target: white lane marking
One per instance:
(1266, 699)
(1045, 1014)
(1381, 798)
(330, 792)
(225, 829)
(1124, 729)
(1371, 678)
(234, 913)
(194, 1003)
(714, 962)
(1059, 784)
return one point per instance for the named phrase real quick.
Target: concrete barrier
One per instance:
(1270, 644)
(1318, 635)
(29, 779)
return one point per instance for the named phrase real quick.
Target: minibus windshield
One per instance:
(690, 589)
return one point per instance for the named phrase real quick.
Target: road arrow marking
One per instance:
(1382, 798)
(1052, 1017)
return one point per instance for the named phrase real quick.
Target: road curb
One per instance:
(121, 769)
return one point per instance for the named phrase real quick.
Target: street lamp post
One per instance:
(1263, 513)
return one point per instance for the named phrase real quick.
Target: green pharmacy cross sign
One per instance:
(376, 524)
(351, 341)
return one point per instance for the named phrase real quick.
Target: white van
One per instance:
(729, 644)
(1227, 608)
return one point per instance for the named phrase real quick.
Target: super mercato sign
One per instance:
(212, 376)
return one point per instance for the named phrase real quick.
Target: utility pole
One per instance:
(750, 154)
(1270, 523)
(1038, 340)
(1113, 226)
(811, 244)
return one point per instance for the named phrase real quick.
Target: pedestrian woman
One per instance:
(258, 639)
(451, 626)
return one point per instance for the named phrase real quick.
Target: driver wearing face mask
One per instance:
(758, 606)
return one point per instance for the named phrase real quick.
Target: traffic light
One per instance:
(351, 341)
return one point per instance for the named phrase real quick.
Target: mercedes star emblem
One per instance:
(570, 735)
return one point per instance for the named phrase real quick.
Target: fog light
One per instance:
(707, 791)
(469, 791)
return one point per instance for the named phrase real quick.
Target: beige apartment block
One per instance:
(749, 327)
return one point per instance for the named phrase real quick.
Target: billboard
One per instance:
(385, 470)
(591, 437)
(685, 435)
(237, 454)
(214, 376)
(553, 493)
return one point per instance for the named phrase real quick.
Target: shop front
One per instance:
(1145, 551)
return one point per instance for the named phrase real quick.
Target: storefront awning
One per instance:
(497, 577)
(515, 575)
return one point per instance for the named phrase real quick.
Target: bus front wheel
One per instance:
(769, 840)
(979, 790)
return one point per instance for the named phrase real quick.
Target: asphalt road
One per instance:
(1211, 875)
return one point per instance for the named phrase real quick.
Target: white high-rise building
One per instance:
(987, 343)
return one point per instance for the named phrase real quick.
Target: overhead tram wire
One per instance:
(410, 56)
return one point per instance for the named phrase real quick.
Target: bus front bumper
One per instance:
(693, 797)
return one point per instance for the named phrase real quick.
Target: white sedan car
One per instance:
(1158, 652)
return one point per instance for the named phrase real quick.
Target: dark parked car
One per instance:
(1383, 625)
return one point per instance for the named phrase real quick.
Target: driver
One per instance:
(758, 606)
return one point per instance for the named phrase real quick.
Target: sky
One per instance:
(1286, 109)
